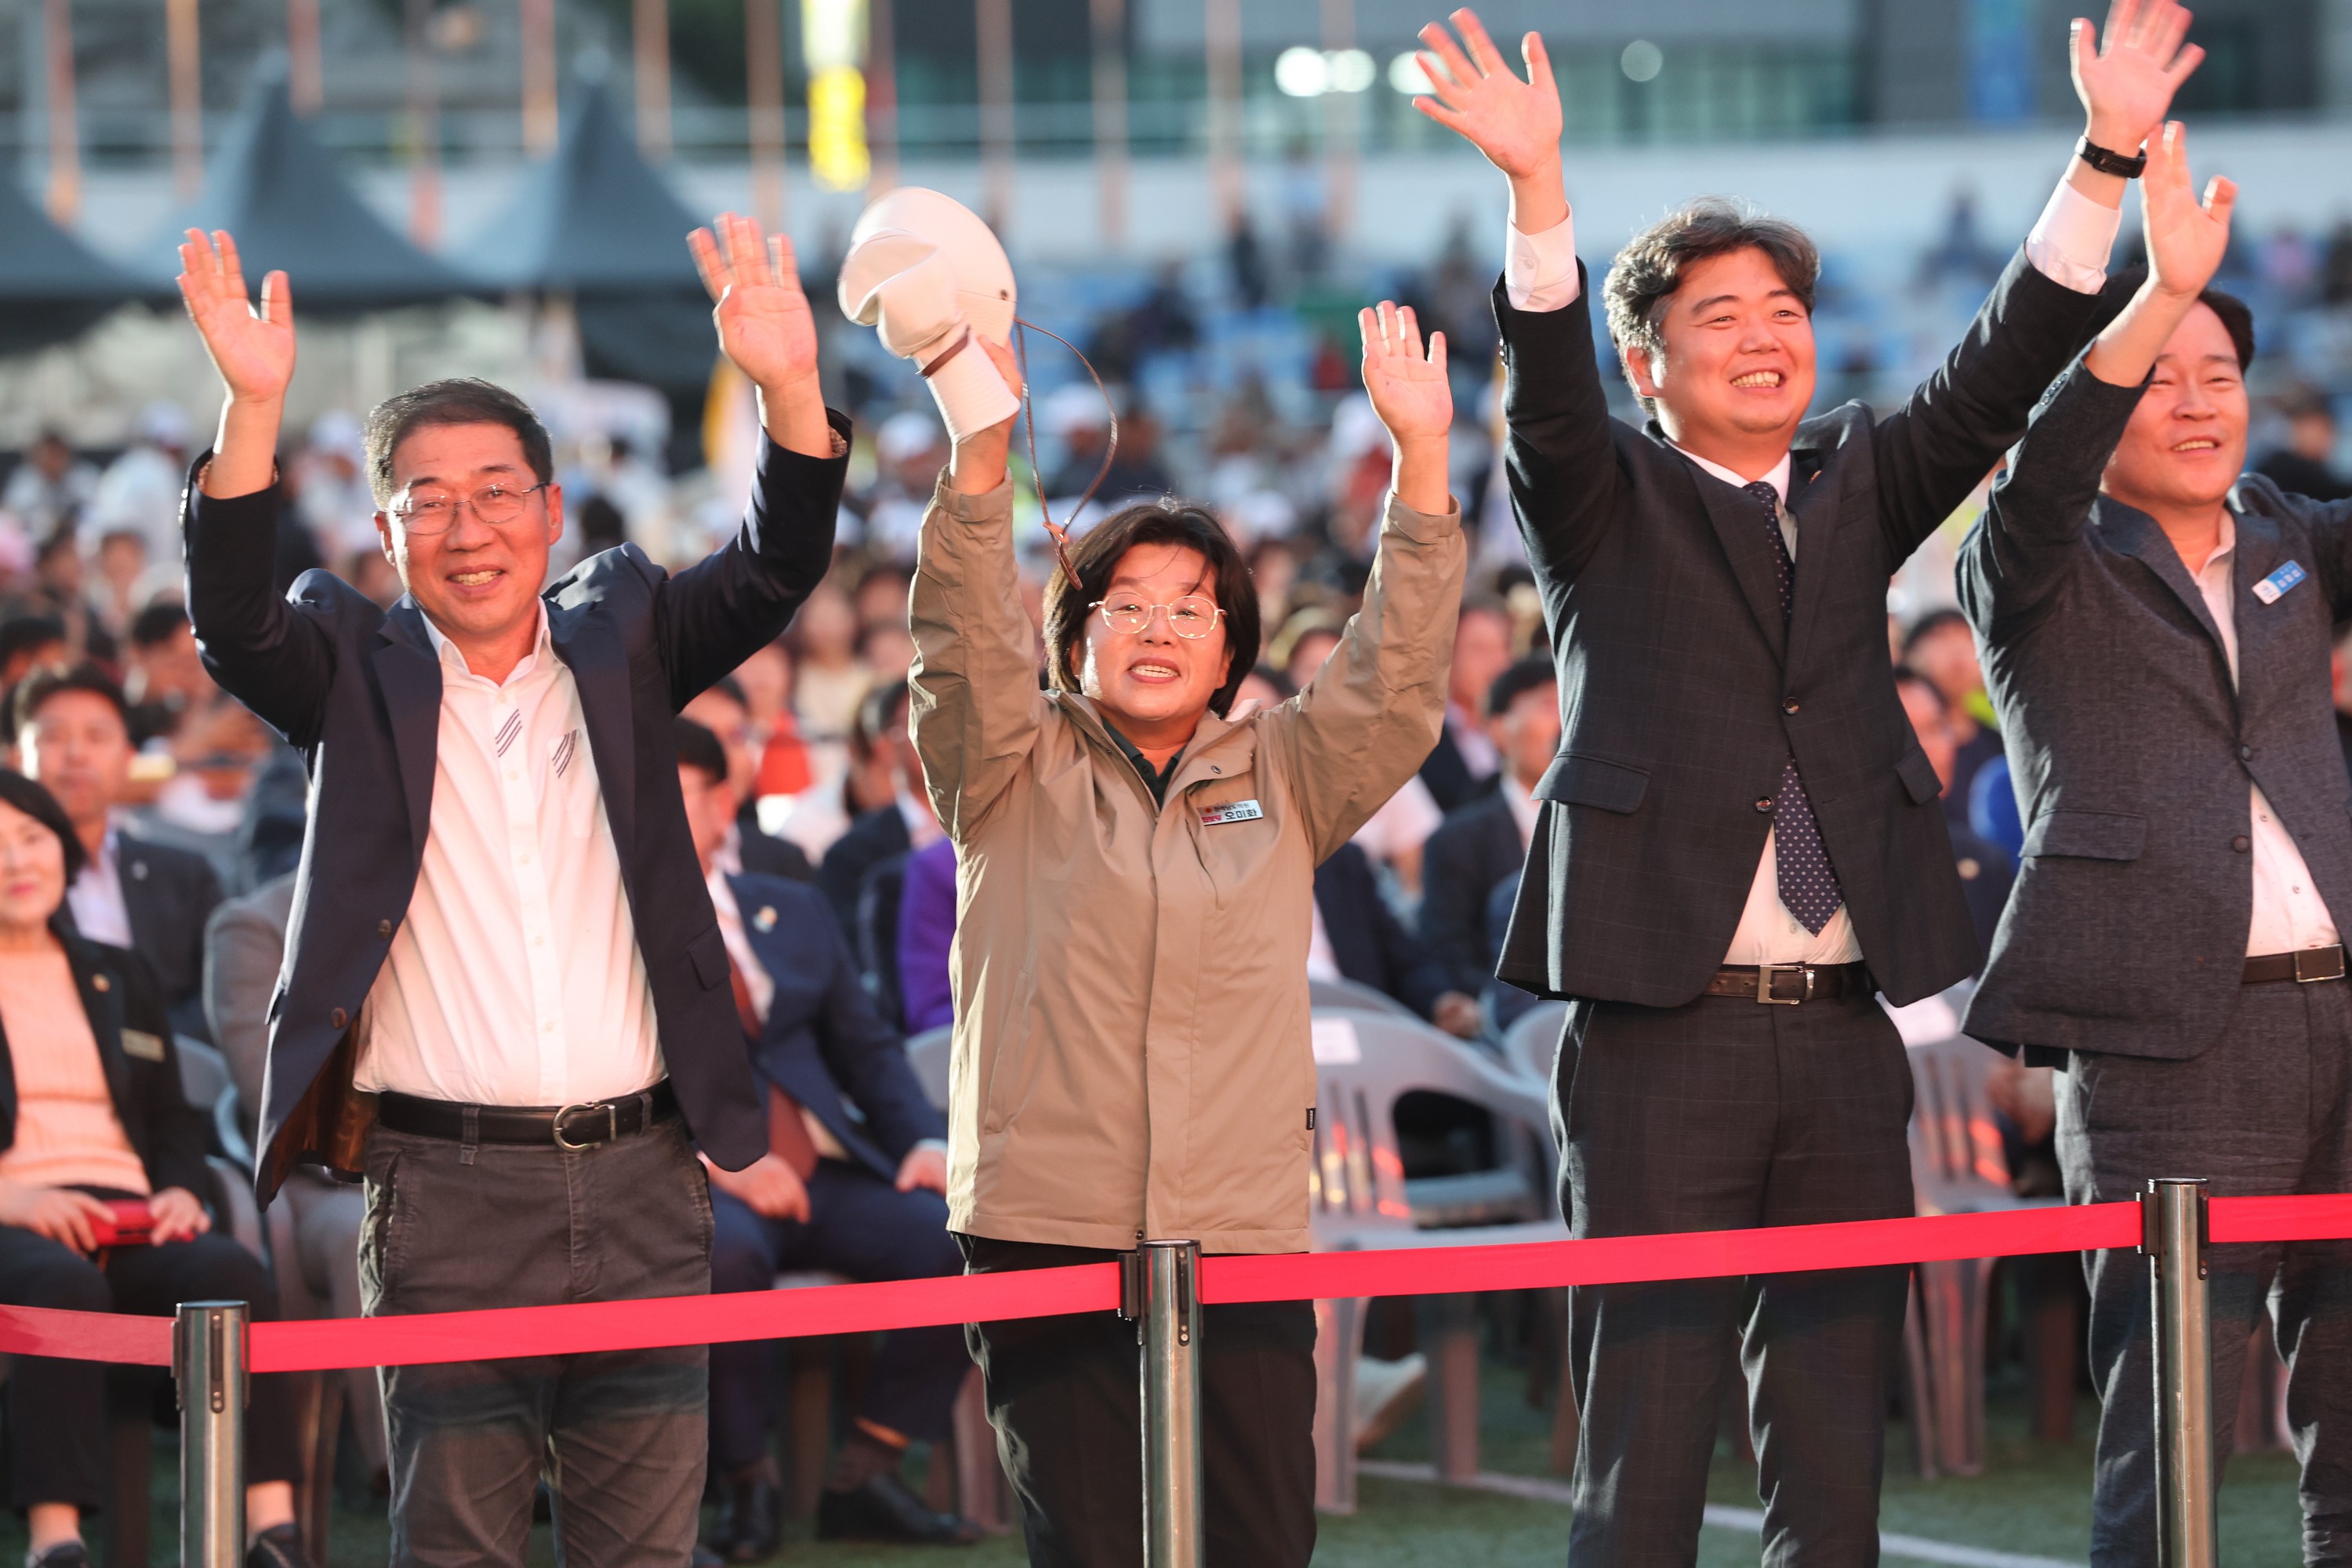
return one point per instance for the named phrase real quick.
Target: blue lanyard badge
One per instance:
(2275, 586)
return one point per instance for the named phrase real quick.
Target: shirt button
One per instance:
(2245, 753)
(1788, 705)
(1763, 803)
(524, 859)
(2241, 844)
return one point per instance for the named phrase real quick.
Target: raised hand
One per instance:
(252, 348)
(2126, 78)
(1414, 399)
(765, 327)
(2185, 240)
(1476, 92)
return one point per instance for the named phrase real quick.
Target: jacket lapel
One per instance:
(1816, 516)
(1741, 530)
(599, 669)
(2135, 533)
(410, 677)
(2259, 554)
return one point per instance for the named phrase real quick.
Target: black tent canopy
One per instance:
(274, 187)
(52, 287)
(595, 222)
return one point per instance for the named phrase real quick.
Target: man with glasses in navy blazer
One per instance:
(506, 999)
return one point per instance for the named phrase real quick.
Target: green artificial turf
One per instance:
(2034, 1497)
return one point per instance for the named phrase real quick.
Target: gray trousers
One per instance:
(1721, 1115)
(619, 1436)
(328, 1217)
(2264, 1112)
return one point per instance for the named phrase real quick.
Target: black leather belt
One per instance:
(2304, 966)
(566, 1127)
(1788, 985)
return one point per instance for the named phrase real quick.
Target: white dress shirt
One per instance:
(2288, 910)
(1523, 807)
(2069, 245)
(96, 896)
(516, 977)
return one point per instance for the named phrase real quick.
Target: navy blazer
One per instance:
(357, 691)
(2134, 752)
(1368, 942)
(1685, 691)
(824, 1040)
(125, 1008)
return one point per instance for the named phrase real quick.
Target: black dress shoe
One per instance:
(279, 1546)
(63, 1554)
(751, 1522)
(882, 1509)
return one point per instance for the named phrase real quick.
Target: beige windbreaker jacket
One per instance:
(1132, 1054)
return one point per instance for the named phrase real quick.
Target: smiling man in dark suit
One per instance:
(2157, 626)
(1484, 844)
(1740, 840)
(506, 996)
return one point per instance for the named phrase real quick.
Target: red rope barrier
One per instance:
(327, 1343)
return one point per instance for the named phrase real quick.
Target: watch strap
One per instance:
(2108, 162)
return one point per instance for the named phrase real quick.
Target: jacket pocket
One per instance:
(1576, 778)
(2086, 834)
(1919, 776)
(709, 953)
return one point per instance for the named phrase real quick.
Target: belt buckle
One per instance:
(612, 1123)
(1764, 973)
(2307, 977)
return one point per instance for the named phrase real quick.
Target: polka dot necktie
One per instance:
(1808, 886)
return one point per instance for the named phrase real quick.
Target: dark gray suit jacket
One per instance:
(2131, 752)
(168, 893)
(1682, 694)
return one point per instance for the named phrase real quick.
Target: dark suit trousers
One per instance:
(55, 1410)
(619, 1435)
(1723, 1115)
(861, 1226)
(1065, 1396)
(2265, 1111)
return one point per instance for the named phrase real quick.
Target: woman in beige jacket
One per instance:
(1135, 886)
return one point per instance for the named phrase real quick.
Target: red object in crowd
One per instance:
(783, 760)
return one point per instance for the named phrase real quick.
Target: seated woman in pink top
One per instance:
(91, 1114)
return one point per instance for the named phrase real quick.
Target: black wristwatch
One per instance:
(2107, 163)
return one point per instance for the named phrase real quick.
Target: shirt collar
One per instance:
(451, 659)
(1154, 779)
(1778, 478)
(2228, 544)
(1522, 803)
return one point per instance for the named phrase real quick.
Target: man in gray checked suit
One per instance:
(1740, 841)
(2155, 633)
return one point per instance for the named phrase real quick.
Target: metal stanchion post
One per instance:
(2173, 1234)
(209, 1344)
(1167, 1278)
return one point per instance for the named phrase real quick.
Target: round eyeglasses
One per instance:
(425, 512)
(1193, 617)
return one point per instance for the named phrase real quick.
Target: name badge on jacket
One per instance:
(2273, 587)
(1231, 811)
(138, 1043)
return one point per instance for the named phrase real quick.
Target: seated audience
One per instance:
(1464, 766)
(858, 1194)
(163, 675)
(2305, 466)
(1482, 845)
(29, 643)
(724, 710)
(1941, 647)
(1986, 869)
(1993, 816)
(73, 735)
(900, 821)
(244, 944)
(1355, 936)
(94, 1128)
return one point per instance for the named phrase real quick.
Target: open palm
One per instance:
(1474, 92)
(763, 319)
(2127, 78)
(252, 348)
(1408, 387)
(2186, 241)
